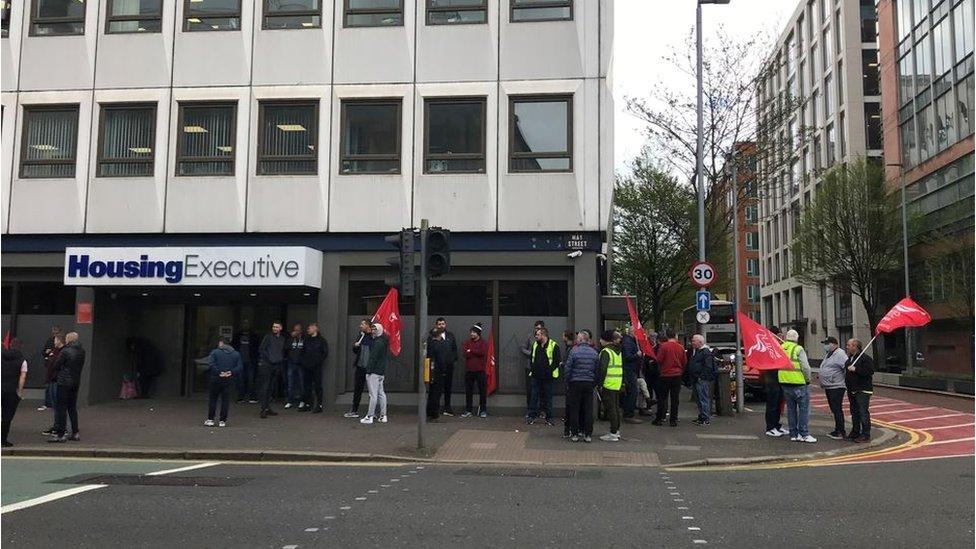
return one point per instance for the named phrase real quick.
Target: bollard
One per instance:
(723, 395)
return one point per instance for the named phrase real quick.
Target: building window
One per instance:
(370, 136)
(753, 293)
(869, 74)
(752, 241)
(126, 140)
(57, 17)
(4, 18)
(831, 142)
(206, 139)
(292, 14)
(124, 16)
(454, 136)
(373, 13)
(752, 213)
(457, 12)
(211, 15)
(541, 133)
(869, 22)
(872, 125)
(752, 266)
(289, 137)
(963, 19)
(541, 10)
(50, 141)
(964, 106)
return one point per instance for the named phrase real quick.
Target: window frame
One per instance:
(34, 20)
(550, 4)
(570, 143)
(265, 16)
(260, 156)
(343, 120)
(112, 18)
(10, 15)
(227, 15)
(24, 161)
(180, 106)
(483, 155)
(366, 11)
(436, 9)
(99, 158)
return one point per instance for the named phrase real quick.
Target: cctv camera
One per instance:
(601, 257)
(575, 254)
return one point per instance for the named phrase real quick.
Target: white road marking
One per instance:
(406, 489)
(289, 547)
(903, 411)
(49, 497)
(330, 518)
(394, 480)
(694, 528)
(373, 492)
(748, 409)
(949, 441)
(687, 518)
(311, 529)
(699, 541)
(948, 426)
(181, 469)
(676, 499)
(729, 437)
(887, 404)
(682, 508)
(361, 499)
(929, 417)
(384, 485)
(345, 508)
(675, 493)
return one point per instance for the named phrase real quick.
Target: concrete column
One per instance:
(86, 333)
(329, 320)
(585, 310)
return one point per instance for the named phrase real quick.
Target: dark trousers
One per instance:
(434, 390)
(358, 388)
(628, 396)
(470, 380)
(579, 407)
(8, 407)
(67, 408)
(146, 383)
(219, 388)
(541, 402)
(835, 399)
(651, 376)
(312, 386)
(295, 382)
(447, 383)
(860, 415)
(268, 373)
(245, 382)
(774, 395)
(611, 403)
(668, 390)
(528, 389)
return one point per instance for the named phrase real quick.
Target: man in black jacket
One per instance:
(860, 386)
(700, 375)
(449, 359)
(13, 375)
(271, 355)
(316, 351)
(442, 354)
(68, 366)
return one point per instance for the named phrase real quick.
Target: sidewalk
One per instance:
(173, 428)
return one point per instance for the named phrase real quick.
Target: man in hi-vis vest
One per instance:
(544, 359)
(796, 388)
(610, 377)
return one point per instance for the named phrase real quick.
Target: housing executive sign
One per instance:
(172, 266)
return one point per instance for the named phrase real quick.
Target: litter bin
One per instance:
(723, 393)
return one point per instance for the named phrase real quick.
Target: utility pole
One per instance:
(740, 396)
(699, 150)
(421, 315)
(909, 355)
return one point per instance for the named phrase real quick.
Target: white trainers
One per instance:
(209, 423)
(795, 439)
(610, 437)
(368, 420)
(41, 408)
(287, 405)
(784, 431)
(773, 433)
(351, 414)
(222, 424)
(383, 419)
(808, 439)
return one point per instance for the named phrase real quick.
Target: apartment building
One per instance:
(746, 208)
(177, 170)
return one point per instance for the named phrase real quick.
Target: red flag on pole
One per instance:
(762, 350)
(639, 335)
(905, 313)
(492, 372)
(389, 316)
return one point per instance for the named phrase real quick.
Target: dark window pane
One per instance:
(57, 29)
(278, 7)
(140, 25)
(542, 14)
(4, 17)
(533, 298)
(370, 166)
(207, 140)
(293, 22)
(50, 142)
(127, 134)
(869, 66)
(529, 164)
(390, 19)
(365, 297)
(391, 5)
(59, 8)
(45, 298)
(476, 165)
(370, 137)
(288, 139)
(206, 15)
(872, 117)
(456, 12)
(212, 23)
(135, 7)
(460, 298)
(541, 126)
(455, 128)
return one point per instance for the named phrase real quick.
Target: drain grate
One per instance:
(529, 472)
(152, 480)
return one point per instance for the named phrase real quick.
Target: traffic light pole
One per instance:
(740, 396)
(421, 326)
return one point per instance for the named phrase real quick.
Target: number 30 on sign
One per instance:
(702, 274)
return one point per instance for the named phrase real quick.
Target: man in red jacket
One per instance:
(475, 351)
(671, 359)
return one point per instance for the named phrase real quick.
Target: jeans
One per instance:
(376, 394)
(668, 388)
(312, 383)
(860, 415)
(541, 398)
(797, 409)
(8, 408)
(67, 406)
(51, 394)
(703, 389)
(774, 395)
(219, 388)
(295, 382)
(357, 391)
(579, 407)
(268, 373)
(628, 397)
(611, 401)
(470, 380)
(447, 383)
(245, 382)
(835, 399)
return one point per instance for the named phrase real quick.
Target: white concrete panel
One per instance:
(9, 102)
(52, 205)
(366, 55)
(10, 48)
(606, 37)
(293, 56)
(59, 62)
(606, 106)
(459, 202)
(374, 202)
(290, 202)
(208, 204)
(551, 49)
(217, 58)
(458, 53)
(129, 204)
(136, 60)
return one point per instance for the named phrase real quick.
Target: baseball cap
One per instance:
(830, 339)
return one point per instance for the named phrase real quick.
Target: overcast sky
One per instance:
(645, 29)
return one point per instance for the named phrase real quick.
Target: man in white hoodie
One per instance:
(832, 381)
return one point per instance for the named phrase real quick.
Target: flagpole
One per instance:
(865, 348)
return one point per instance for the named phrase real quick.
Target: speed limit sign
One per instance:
(702, 274)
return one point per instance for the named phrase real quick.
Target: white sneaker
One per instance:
(222, 424)
(287, 405)
(41, 408)
(368, 420)
(209, 423)
(773, 433)
(351, 414)
(383, 419)
(610, 437)
(795, 439)
(807, 438)
(784, 431)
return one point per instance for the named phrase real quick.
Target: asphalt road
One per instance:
(907, 504)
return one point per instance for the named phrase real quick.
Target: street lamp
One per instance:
(699, 149)
(909, 361)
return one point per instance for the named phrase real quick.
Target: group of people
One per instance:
(842, 371)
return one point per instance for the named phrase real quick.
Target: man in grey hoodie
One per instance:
(832, 381)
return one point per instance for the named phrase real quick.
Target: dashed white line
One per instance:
(311, 529)
(289, 547)
(384, 485)
(345, 508)
(694, 529)
(181, 469)
(361, 499)
(682, 508)
(330, 517)
(687, 518)
(925, 418)
(373, 492)
(699, 541)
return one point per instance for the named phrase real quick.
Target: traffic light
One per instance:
(438, 252)
(404, 278)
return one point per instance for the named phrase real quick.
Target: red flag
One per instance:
(639, 335)
(762, 350)
(905, 313)
(389, 316)
(491, 373)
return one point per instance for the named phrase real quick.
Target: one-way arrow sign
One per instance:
(703, 300)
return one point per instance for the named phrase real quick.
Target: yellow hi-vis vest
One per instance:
(615, 370)
(550, 348)
(794, 376)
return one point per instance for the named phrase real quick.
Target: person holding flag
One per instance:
(860, 386)
(475, 351)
